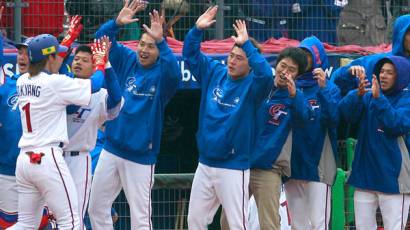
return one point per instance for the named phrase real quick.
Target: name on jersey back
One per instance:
(29, 90)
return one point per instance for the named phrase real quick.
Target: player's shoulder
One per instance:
(58, 78)
(100, 95)
(23, 77)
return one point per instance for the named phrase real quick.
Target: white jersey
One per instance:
(42, 102)
(83, 125)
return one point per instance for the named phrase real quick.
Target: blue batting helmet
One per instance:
(43, 45)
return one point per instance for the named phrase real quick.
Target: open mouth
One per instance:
(77, 68)
(144, 56)
(282, 76)
(22, 65)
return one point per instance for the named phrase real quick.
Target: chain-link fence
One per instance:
(333, 21)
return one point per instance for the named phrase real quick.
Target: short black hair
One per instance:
(83, 48)
(297, 55)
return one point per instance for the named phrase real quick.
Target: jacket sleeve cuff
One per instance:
(112, 25)
(197, 32)
(380, 103)
(248, 47)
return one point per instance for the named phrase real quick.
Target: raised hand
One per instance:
(207, 19)
(129, 10)
(375, 87)
(363, 84)
(106, 44)
(73, 31)
(241, 32)
(357, 70)
(156, 30)
(290, 85)
(100, 55)
(320, 76)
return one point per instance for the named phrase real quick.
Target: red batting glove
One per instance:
(72, 34)
(100, 53)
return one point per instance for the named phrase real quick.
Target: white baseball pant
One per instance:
(8, 191)
(80, 169)
(8, 200)
(215, 186)
(394, 208)
(111, 174)
(49, 182)
(309, 204)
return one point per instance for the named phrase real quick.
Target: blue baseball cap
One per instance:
(43, 45)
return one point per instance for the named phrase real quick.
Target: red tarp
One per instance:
(270, 46)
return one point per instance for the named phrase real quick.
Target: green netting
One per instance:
(167, 181)
(338, 199)
(350, 148)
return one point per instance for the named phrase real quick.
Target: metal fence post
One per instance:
(220, 19)
(17, 5)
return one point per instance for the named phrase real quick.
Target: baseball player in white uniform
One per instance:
(83, 123)
(41, 172)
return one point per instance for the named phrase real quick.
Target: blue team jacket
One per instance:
(135, 134)
(10, 127)
(381, 161)
(346, 82)
(314, 149)
(275, 119)
(226, 129)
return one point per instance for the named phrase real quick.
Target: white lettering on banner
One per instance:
(328, 71)
(186, 74)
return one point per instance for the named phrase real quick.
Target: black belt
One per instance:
(71, 153)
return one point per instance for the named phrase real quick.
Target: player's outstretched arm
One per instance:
(100, 57)
(72, 34)
(155, 30)
(257, 61)
(123, 59)
(207, 19)
(199, 65)
(171, 73)
(113, 87)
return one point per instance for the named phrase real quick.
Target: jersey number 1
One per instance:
(26, 109)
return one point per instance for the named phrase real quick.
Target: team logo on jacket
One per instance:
(217, 93)
(81, 115)
(217, 96)
(129, 84)
(12, 101)
(313, 103)
(276, 111)
(132, 88)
